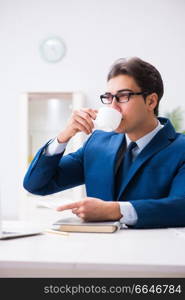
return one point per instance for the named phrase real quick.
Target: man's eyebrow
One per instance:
(119, 91)
(125, 90)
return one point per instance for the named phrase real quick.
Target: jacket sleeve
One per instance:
(51, 174)
(164, 212)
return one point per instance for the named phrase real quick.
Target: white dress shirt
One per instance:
(127, 210)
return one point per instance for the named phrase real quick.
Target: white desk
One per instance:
(128, 253)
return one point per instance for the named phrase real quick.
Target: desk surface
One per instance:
(127, 253)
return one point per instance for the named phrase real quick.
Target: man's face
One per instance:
(135, 112)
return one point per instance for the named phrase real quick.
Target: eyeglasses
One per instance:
(121, 97)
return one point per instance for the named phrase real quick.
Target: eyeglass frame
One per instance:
(117, 97)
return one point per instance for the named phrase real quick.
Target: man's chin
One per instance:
(121, 128)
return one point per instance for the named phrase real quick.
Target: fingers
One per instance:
(75, 207)
(83, 119)
(69, 206)
(79, 127)
(87, 209)
(86, 117)
(79, 212)
(80, 121)
(86, 124)
(75, 210)
(91, 112)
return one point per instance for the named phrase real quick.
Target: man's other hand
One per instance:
(94, 209)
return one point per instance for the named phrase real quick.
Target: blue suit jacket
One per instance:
(155, 183)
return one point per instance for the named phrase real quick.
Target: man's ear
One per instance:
(151, 101)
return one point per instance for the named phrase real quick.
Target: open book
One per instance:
(75, 224)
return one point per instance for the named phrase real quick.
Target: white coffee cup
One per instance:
(107, 119)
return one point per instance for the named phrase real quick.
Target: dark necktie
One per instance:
(123, 168)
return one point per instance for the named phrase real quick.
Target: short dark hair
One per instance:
(146, 76)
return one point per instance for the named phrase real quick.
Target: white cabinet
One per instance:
(42, 115)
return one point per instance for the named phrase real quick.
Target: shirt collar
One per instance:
(144, 140)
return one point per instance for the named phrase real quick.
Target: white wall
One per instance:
(96, 32)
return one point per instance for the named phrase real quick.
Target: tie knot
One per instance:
(131, 146)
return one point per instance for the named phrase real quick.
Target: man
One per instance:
(151, 192)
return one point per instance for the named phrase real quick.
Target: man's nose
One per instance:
(115, 104)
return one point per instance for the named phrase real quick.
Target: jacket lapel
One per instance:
(161, 140)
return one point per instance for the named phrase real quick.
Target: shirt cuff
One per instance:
(54, 147)
(129, 213)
